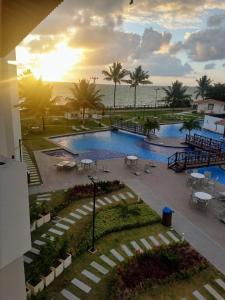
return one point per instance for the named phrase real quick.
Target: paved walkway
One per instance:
(163, 187)
(31, 167)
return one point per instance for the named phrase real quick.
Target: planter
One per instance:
(47, 217)
(33, 226)
(37, 288)
(58, 269)
(28, 292)
(40, 221)
(48, 279)
(67, 261)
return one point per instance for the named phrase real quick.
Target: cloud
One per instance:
(210, 66)
(206, 45)
(216, 20)
(43, 44)
(223, 65)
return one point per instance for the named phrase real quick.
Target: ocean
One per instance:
(146, 95)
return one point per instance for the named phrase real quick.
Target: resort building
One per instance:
(215, 123)
(18, 18)
(210, 106)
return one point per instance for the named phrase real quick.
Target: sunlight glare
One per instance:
(53, 66)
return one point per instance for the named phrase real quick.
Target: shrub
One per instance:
(164, 264)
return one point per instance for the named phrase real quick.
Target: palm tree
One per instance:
(151, 124)
(86, 96)
(203, 85)
(190, 124)
(36, 95)
(115, 73)
(137, 77)
(176, 95)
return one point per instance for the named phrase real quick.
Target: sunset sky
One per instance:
(172, 39)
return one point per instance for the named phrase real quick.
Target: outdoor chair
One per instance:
(84, 128)
(74, 128)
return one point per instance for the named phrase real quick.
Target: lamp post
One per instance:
(156, 95)
(93, 179)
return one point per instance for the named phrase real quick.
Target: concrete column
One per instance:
(10, 131)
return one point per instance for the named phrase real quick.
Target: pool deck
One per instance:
(163, 187)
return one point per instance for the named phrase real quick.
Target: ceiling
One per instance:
(19, 17)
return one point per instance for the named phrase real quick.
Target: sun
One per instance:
(54, 65)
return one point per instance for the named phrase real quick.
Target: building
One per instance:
(18, 18)
(210, 106)
(215, 123)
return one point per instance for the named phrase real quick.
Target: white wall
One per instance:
(12, 282)
(218, 108)
(14, 211)
(210, 124)
(10, 131)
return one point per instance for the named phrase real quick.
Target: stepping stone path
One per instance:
(69, 221)
(105, 259)
(108, 261)
(116, 198)
(60, 225)
(173, 236)
(68, 295)
(35, 251)
(122, 196)
(56, 231)
(213, 292)
(31, 167)
(130, 195)
(221, 283)
(198, 296)
(101, 202)
(107, 200)
(127, 250)
(136, 247)
(27, 259)
(117, 255)
(39, 243)
(81, 285)
(154, 241)
(99, 268)
(164, 239)
(84, 213)
(43, 197)
(91, 276)
(87, 207)
(146, 244)
(76, 216)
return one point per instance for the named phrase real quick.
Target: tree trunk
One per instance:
(43, 122)
(135, 96)
(83, 115)
(114, 96)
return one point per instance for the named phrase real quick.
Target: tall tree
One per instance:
(137, 77)
(203, 85)
(190, 124)
(151, 124)
(216, 91)
(176, 95)
(115, 73)
(36, 95)
(86, 96)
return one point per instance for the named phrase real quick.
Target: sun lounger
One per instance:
(84, 128)
(74, 128)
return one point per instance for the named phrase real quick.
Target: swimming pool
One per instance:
(115, 144)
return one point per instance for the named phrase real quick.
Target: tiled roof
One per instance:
(209, 101)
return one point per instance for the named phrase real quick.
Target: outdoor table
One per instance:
(86, 163)
(133, 159)
(197, 176)
(202, 196)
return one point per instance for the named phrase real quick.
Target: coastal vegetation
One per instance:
(190, 124)
(115, 73)
(206, 89)
(137, 77)
(36, 96)
(203, 84)
(86, 96)
(150, 125)
(176, 95)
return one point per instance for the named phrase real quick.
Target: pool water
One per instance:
(115, 144)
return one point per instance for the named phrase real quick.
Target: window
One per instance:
(210, 106)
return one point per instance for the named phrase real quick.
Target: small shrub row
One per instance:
(162, 265)
(85, 191)
(111, 220)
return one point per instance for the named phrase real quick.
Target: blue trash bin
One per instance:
(167, 216)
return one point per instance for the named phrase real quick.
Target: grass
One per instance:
(179, 289)
(113, 240)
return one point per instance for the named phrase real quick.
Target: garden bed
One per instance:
(162, 265)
